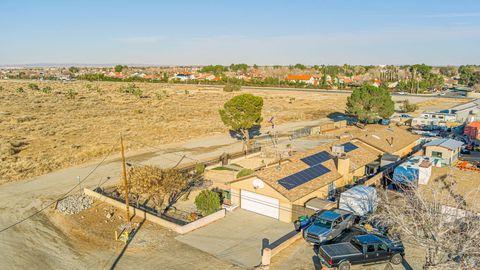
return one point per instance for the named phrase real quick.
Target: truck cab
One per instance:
(327, 226)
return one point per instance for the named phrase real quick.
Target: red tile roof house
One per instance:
(472, 130)
(308, 79)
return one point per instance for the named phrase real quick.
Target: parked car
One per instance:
(328, 225)
(465, 152)
(361, 249)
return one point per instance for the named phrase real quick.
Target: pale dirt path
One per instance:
(37, 243)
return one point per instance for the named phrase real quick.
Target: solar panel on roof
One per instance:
(316, 158)
(347, 147)
(302, 177)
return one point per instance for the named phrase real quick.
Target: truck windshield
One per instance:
(323, 223)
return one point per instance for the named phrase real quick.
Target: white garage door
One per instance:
(260, 204)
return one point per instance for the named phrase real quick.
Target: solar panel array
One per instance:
(316, 168)
(347, 147)
(317, 158)
(303, 177)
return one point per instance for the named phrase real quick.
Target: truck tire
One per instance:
(344, 265)
(396, 259)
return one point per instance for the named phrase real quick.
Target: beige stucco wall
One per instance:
(286, 205)
(246, 184)
(447, 154)
(404, 151)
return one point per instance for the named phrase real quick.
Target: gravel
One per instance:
(74, 204)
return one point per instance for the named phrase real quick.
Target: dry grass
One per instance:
(41, 131)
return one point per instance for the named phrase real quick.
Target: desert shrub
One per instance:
(33, 86)
(207, 202)
(1, 88)
(71, 94)
(47, 89)
(407, 107)
(200, 168)
(244, 172)
(187, 92)
(20, 90)
(131, 89)
(231, 87)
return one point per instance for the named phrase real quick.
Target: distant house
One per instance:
(466, 112)
(434, 120)
(472, 130)
(308, 79)
(184, 76)
(444, 150)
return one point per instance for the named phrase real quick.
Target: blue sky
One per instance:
(263, 32)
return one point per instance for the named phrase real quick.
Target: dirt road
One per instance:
(37, 242)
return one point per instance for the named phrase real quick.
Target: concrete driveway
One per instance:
(237, 238)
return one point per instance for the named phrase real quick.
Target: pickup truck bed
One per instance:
(340, 249)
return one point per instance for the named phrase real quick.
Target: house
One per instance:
(308, 79)
(282, 191)
(472, 130)
(466, 112)
(416, 170)
(434, 121)
(184, 76)
(445, 150)
(387, 139)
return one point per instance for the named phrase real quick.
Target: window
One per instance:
(370, 248)
(331, 190)
(436, 154)
(382, 247)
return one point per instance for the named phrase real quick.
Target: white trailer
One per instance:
(360, 200)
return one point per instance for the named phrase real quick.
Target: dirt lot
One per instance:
(42, 130)
(91, 232)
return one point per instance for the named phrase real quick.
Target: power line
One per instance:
(159, 149)
(59, 198)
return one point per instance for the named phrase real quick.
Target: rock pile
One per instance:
(74, 204)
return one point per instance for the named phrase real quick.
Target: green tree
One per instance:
(241, 113)
(119, 68)
(300, 66)
(217, 70)
(73, 69)
(407, 107)
(33, 86)
(230, 87)
(467, 75)
(421, 68)
(369, 103)
(449, 71)
(207, 202)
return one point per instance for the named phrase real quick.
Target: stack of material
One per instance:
(74, 204)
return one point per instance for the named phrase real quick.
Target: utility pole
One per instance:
(124, 174)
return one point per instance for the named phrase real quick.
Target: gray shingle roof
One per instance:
(447, 143)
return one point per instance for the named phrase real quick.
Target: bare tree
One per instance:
(163, 187)
(438, 218)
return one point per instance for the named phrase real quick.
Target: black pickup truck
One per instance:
(362, 249)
